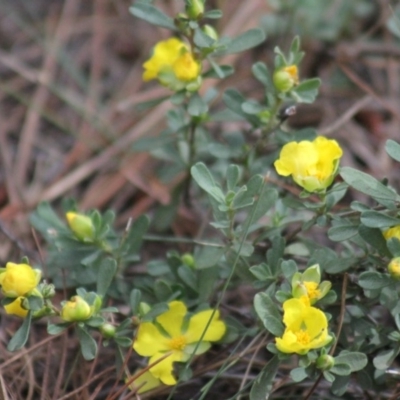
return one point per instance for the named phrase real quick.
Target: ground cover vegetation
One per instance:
(199, 199)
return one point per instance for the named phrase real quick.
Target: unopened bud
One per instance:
(76, 310)
(325, 362)
(195, 8)
(188, 260)
(394, 268)
(81, 225)
(286, 78)
(108, 330)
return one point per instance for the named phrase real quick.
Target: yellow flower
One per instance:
(172, 64)
(15, 308)
(19, 279)
(81, 225)
(178, 338)
(306, 328)
(308, 287)
(313, 165)
(77, 309)
(392, 232)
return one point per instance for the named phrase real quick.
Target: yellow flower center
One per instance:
(312, 290)
(177, 343)
(302, 337)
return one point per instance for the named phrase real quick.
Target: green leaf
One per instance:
(339, 233)
(393, 149)
(393, 244)
(375, 219)
(386, 357)
(339, 386)
(197, 106)
(260, 71)
(306, 91)
(205, 180)
(188, 276)
(232, 176)
(21, 336)
(370, 186)
(135, 298)
(55, 329)
(341, 369)
(263, 383)
(373, 280)
(207, 256)
(123, 341)
(298, 374)
(202, 40)
(213, 14)
(374, 237)
(269, 314)
(134, 239)
(152, 15)
(88, 344)
(245, 41)
(105, 275)
(155, 311)
(354, 359)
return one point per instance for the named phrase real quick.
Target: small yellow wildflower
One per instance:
(306, 328)
(18, 279)
(313, 165)
(172, 64)
(175, 340)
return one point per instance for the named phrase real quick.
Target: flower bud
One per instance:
(188, 260)
(325, 362)
(19, 279)
(286, 78)
(194, 8)
(81, 225)
(48, 290)
(76, 310)
(108, 330)
(394, 268)
(15, 308)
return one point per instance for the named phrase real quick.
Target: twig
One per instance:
(349, 114)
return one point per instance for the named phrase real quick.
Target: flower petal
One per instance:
(293, 312)
(149, 340)
(164, 369)
(172, 319)
(198, 323)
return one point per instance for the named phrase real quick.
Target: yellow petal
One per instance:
(172, 319)
(315, 321)
(164, 369)
(293, 311)
(149, 340)
(15, 308)
(198, 323)
(296, 158)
